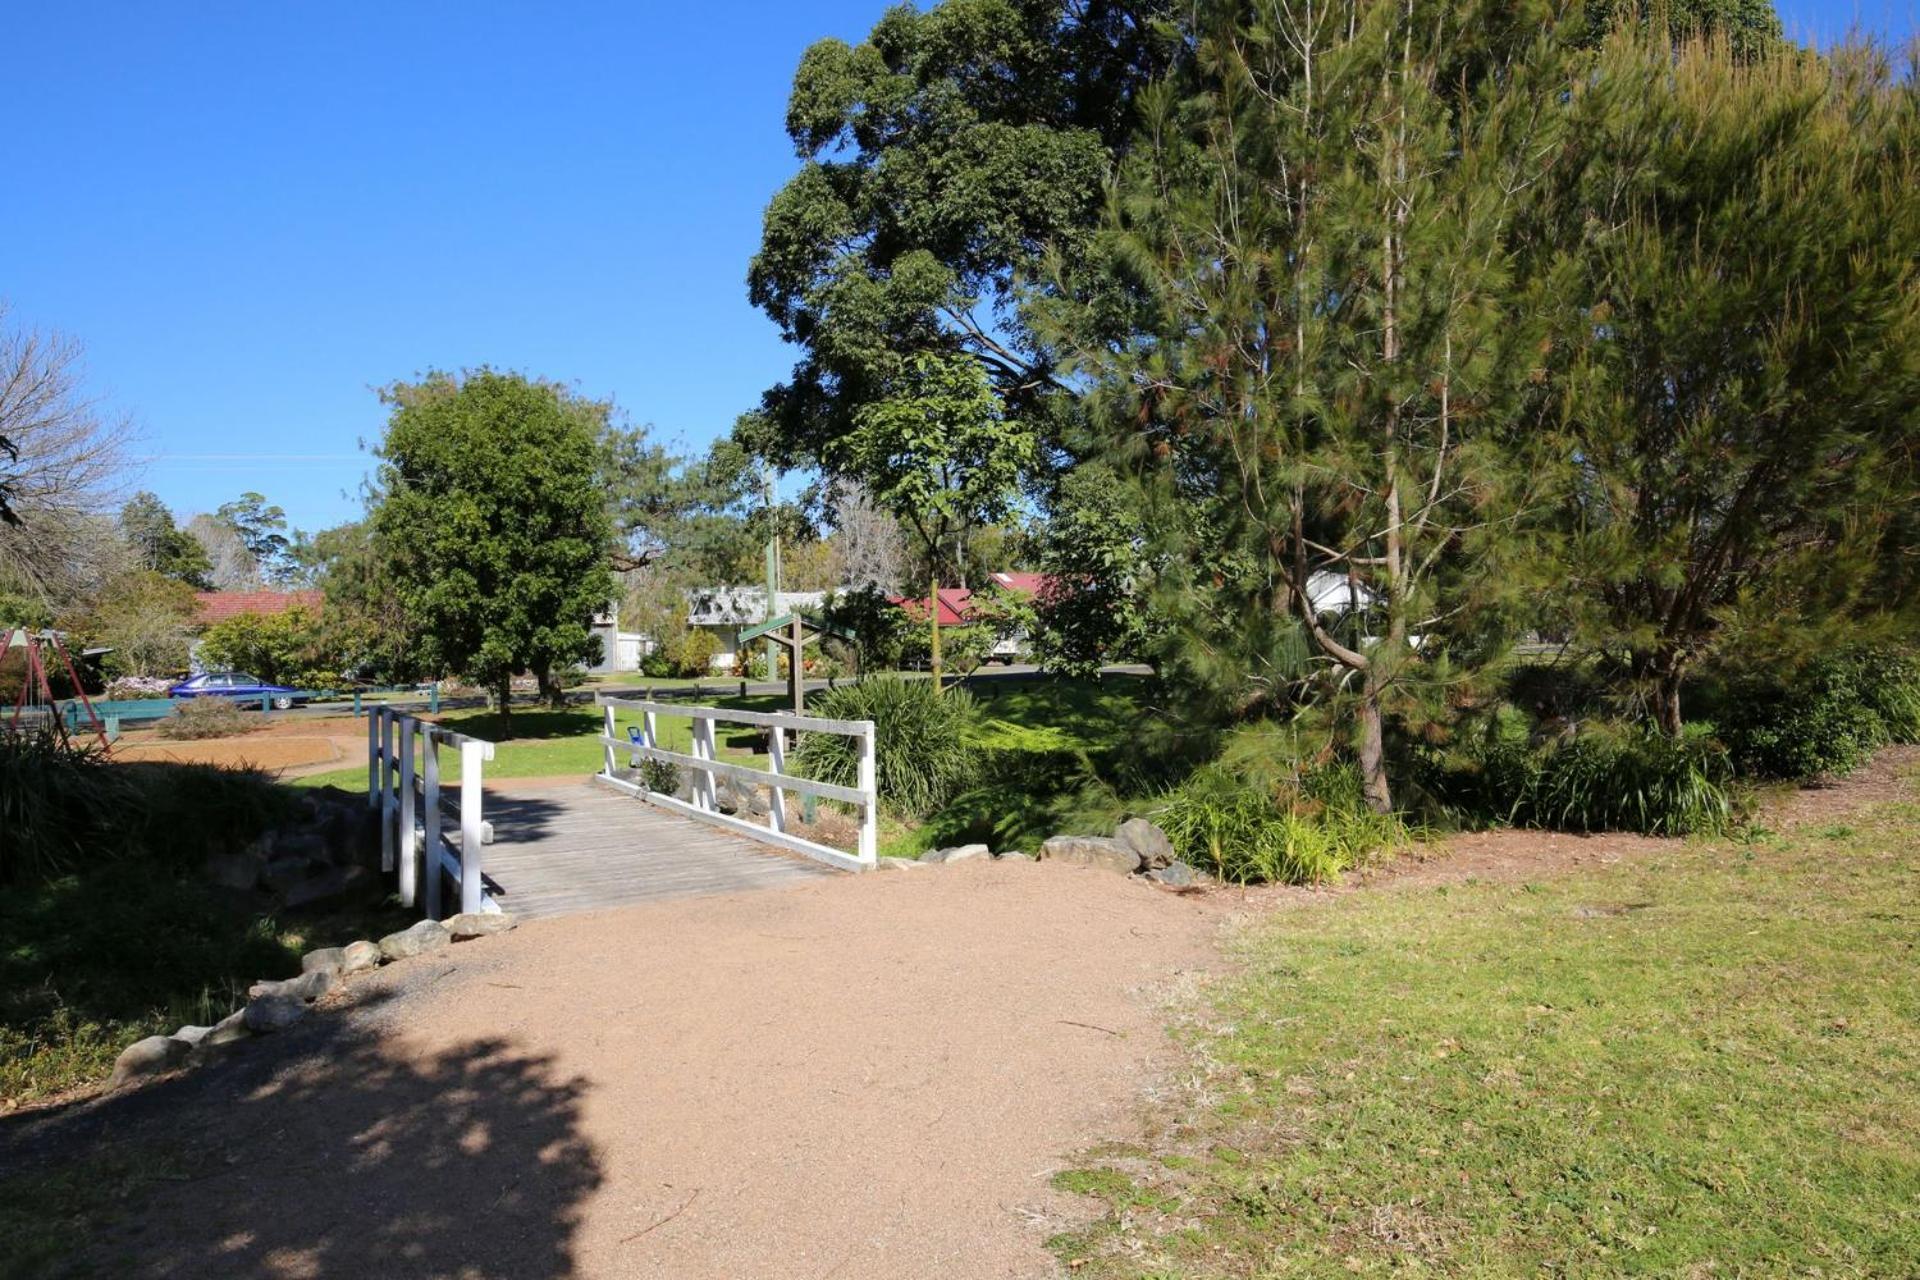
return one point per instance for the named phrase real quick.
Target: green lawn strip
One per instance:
(540, 744)
(1708, 1063)
(91, 963)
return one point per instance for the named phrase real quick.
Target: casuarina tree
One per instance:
(494, 524)
(1330, 363)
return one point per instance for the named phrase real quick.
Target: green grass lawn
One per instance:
(1707, 1064)
(537, 744)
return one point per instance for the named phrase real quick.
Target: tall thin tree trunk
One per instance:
(504, 692)
(933, 616)
(1373, 752)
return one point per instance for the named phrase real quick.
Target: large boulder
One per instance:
(331, 959)
(229, 1030)
(428, 935)
(478, 924)
(308, 986)
(1147, 840)
(1091, 851)
(266, 1014)
(147, 1057)
(956, 853)
(233, 870)
(1175, 875)
(357, 957)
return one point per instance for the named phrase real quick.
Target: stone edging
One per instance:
(275, 1005)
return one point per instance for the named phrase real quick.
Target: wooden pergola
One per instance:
(793, 632)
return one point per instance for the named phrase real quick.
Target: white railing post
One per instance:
(471, 754)
(430, 758)
(870, 812)
(373, 758)
(776, 763)
(649, 737)
(386, 790)
(611, 727)
(409, 858)
(705, 794)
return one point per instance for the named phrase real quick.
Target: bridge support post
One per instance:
(409, 857)
(430, 758)
(870, 813)
(386, 790)
(470, 825)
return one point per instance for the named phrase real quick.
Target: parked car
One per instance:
(239, 685)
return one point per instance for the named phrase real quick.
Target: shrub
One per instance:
(205, 718)
(1244, 833)
(65, 808)
(692, 653)
(924, 746)
(135, 688)
(1827, 719)
(661, 776)
(1606, 778)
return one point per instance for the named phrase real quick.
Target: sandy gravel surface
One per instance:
(860, 1077)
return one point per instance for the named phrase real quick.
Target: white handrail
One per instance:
(707, 770)
(397, 777)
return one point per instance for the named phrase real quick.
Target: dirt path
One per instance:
(855, 1078)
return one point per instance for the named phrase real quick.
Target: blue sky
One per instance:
(252, 214)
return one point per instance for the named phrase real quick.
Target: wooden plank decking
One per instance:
(564, 849)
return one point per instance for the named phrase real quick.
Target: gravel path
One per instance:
(858, 1077)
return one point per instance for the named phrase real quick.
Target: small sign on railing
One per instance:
(706, 770)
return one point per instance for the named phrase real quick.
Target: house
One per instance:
(727, 611)
(619, 650)
(219, 606)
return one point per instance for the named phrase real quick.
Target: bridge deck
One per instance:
(565, 849)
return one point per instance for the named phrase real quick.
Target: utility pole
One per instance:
(773, 579)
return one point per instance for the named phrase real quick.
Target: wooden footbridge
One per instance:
(552, 847)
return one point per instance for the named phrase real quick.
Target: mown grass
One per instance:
(1705, 1064)
(545, 744)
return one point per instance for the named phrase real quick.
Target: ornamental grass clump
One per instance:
(924, 747)
(1245, 833)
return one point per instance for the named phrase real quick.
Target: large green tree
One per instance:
(160, 545)
(942, 158)
(493, 518)
(1330, 367)
(1745, 385)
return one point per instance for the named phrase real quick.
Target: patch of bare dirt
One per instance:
(1887, 778)
(856, 1077)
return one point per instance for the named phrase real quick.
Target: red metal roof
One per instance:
(218, 606)
(956, 603)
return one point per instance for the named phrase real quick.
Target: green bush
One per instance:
(1827, 719)
(1243, 833)
(924, 746)
(1605, 778)
(65, 808)
(691, 654)
(206, 718)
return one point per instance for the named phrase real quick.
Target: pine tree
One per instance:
(1745, 382)
(1327, 362)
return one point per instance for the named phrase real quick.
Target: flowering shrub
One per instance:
(134, 688)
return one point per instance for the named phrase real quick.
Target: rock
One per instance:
(478, 924)
(900, 864)
(1175, 875)
(147, 1057)
(233, 870)
(331, 882)
(192, 1036)
(308, 986)
(357, 957)
(309, 846)
(1091, 851)
(229, 1030)
(268, 1014)
(331, 959)
(1013, 855)
(1147, 840)
(428, 935)
(284, 873)
(956, 853)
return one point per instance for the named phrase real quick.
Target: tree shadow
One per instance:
(328, 1152)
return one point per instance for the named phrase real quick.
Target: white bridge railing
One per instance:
(403, 782)
(705, 770)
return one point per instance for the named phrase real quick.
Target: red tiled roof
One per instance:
(218, 606)
(956, 603)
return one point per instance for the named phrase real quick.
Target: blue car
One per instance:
(239, 685)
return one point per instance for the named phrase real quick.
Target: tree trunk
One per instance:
(1668, 706)
(933, 614)
(1373, 753)
(504, 693)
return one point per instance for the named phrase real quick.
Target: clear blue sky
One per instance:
(252, 213)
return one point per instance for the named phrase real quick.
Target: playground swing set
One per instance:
(36, 700)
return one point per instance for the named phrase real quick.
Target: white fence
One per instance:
(403, 782)
(705, 770)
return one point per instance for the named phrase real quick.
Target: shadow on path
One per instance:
(325, 1154)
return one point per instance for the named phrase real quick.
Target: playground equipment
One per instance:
(36, 690)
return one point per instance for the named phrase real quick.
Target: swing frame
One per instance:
(32, 643)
